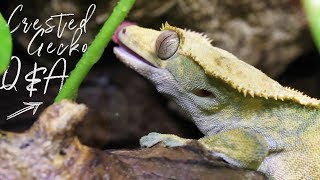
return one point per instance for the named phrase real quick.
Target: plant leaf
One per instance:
(5, 45)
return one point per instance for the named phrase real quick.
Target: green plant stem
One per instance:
(5, 45)
(312, 9)
(95, 51)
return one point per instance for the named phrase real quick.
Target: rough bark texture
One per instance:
(50, 150)
(267, 34)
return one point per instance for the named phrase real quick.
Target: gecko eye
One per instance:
(167, 44)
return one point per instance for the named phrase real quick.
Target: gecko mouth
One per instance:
(125, 54)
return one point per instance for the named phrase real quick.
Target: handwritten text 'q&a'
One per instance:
(32, 77)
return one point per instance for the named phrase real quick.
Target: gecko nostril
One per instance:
(124, 30)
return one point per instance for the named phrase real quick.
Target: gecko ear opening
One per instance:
(202, 93)
(167, 44)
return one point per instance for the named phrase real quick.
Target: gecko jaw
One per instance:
(133, 60)
(129, 54)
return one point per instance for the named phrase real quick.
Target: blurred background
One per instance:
(272, 35)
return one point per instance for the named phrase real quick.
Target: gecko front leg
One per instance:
(238, 147)
(168, 140)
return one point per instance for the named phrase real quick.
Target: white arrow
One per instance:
(30, 106)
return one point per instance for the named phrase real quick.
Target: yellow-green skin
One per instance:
(251, 121)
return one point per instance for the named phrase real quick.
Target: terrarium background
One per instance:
(272, 35)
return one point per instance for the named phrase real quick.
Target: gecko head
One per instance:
(161, 57)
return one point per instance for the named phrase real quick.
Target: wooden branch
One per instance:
(50, 150)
